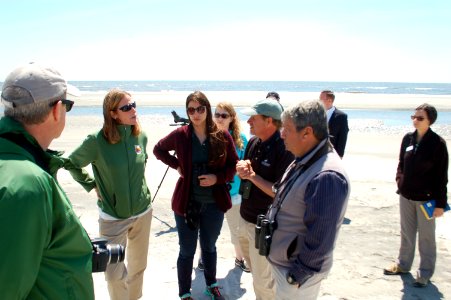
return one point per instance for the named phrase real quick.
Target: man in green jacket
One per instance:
(44, 251)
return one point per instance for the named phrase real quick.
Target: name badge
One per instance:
(410, 148)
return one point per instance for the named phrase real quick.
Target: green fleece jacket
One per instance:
(44, 251)
(118, 172)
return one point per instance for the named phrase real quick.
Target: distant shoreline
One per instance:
(248, 98)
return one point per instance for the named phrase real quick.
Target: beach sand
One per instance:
(368, 240)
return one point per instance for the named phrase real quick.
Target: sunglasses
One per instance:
(224, 116)
(200, 110)
(127, 107)
(419, 118)
(67, 103)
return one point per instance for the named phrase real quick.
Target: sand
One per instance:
(368, 241)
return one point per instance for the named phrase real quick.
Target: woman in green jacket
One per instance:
(117, 154)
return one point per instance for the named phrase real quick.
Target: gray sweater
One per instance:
(312, 206)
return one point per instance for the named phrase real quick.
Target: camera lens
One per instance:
(117, 253)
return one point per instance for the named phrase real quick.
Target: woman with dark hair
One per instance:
(205, 159)
(118, 156)
(422, 175)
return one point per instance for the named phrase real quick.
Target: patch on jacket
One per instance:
(138, 149)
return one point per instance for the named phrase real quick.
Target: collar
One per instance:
(329, 112)
(274, 138)
(304, 159)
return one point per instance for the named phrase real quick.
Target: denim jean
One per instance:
(211, 219)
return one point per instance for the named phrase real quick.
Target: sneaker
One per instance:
(186, 296)
(240, 264)
(213, 292)
(420, 282)
(394, 269)
(200, 265)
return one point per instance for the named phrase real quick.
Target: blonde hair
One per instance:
(234, 125)
(111, 103)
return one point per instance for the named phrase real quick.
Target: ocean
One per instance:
(360, 120)
(278, 86)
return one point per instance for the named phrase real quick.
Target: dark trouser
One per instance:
(211, 219)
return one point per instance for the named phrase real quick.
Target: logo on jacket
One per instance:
(138, 149)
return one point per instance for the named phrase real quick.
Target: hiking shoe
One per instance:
(420, 282)
(240, 264)
(213, 292)
(394, 269)
(186, 296)
(200, 265)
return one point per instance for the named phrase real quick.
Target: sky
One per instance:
(295, 40)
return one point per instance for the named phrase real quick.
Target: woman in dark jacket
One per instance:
(205, 159)
(422, 175)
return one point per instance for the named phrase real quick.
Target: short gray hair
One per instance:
(34, 113)
(308, 113)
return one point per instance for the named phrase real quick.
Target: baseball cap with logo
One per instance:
(267, 107)
(38, 83)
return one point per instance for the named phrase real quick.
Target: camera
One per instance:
(198, 169)
(104, 254)
(245, 189)
(263, 234)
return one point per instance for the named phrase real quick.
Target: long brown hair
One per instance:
(216, 137)
(234, 125)
(111, 103)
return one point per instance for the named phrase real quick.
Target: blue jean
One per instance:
(211, 219)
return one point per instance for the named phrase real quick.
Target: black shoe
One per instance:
(200, 265)
(420, 282)
(240, 264)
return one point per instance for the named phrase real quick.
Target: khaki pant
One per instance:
(263, 280)
(125, 282)
(413, 221)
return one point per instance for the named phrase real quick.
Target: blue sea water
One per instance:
(390, 121)
(279, 86)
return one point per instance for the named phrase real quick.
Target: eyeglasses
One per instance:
(419, 118)
(127, 107)
(200, 110)
(67, 103)
(224, 116)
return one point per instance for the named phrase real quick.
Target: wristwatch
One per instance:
(291, 279)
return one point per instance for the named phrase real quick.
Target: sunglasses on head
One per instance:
(67, 103)
(419, 118)
(199, 109)
(224, 115)
(127, 107)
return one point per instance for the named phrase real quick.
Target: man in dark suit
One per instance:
(337, 121)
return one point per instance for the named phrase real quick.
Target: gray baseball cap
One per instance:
(41, 83)
(267, 107)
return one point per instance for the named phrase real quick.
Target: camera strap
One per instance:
(296, 170)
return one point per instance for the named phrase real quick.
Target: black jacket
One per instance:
(338, 131)
(423, 169)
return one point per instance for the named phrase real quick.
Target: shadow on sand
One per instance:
(429, 292)
(229, 285)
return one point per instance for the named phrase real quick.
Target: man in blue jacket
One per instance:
(308, 207)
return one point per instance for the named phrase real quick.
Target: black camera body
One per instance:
(245, 189)
(198, 170)
(104, 254)
(263, 234)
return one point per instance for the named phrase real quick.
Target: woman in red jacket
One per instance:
(205, 159)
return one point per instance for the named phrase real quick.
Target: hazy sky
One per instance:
(342, 40)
